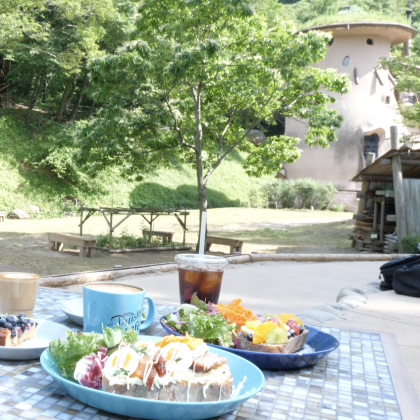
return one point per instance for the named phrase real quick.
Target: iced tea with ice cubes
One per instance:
(201, 274)
(206, 284)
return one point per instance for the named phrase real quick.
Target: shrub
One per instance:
(128, 240)
(410, 244)
(307, 192)
(337, 207)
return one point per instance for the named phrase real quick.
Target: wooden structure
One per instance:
(235, 244)
(2, 216)
(5, 100)
(86, 245)
(389, 200)
(149, 215)
(166, 236)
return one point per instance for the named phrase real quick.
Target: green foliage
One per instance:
(312, 12)
(337, 207)
(356, 17)
(410, 244)
(37, 168)
(197, 77)
(305, 193)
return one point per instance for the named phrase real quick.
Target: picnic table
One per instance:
(363, 379)
(148, 214)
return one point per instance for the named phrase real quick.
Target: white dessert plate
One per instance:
(74, 310)
(32, 349)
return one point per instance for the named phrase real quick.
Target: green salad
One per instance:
(201, 320)
(68, 352)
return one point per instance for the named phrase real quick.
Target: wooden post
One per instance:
(110, 233)
(81, 220)
(398, 190)
(185, 225)
(365, 185)
(381, 230)
(375, 215)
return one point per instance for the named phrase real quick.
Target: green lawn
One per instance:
(23, 243)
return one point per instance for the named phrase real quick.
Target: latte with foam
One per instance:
(114, 288)
(18, 293)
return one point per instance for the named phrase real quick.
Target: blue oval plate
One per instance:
(248, 380)
(318, 345)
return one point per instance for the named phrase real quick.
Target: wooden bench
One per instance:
(87, 245)
(166, 236)
(235, 244)
(2, 216)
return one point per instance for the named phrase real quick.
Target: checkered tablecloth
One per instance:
(353, 382)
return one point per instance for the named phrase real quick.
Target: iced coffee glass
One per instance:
(201, 274)
(18, 293)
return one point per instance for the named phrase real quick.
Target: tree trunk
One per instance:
(63, 102)
(79, 99)
(70, 95)
(44, 96)
(202, 186)
(28, 87)
(91, 109)
(37, 91)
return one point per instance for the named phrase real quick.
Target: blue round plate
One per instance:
(242, 371)
(318, 345)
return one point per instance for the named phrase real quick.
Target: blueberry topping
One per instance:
(2, 321)
(250, 336)
(23, 321)
(288, 334)
(22, 315)
(292, 333)
(8, 325)
(301, 329)
(13, 319)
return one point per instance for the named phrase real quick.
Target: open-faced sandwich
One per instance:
(233, 325)
(14, 330)
(176, 368)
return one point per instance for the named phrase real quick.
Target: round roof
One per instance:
(397, 33)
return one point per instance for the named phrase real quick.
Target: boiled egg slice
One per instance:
(123, 361)
(199, 351)
(148, 346)
(178, 357)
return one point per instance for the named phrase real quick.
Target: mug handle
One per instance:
(150, 315)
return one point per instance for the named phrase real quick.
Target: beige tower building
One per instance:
(369, 109)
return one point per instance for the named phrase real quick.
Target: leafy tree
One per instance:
(199, 76)
(305, 10)
(406, 71)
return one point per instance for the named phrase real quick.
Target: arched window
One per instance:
(369, 41)
(346, 61)
(371, 145)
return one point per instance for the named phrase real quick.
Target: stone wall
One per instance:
(348, 198)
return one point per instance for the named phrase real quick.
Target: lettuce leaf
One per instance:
(68, 352)
(212, 328)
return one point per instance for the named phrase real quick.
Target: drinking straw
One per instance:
(202, 232)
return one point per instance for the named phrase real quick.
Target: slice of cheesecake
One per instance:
(15, 330)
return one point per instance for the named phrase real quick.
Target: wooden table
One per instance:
(149, 215)
(364, 379)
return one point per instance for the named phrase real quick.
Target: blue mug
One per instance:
(109, 304)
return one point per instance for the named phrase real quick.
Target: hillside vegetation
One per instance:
(36, 168)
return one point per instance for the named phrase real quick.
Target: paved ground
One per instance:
(293, 287)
